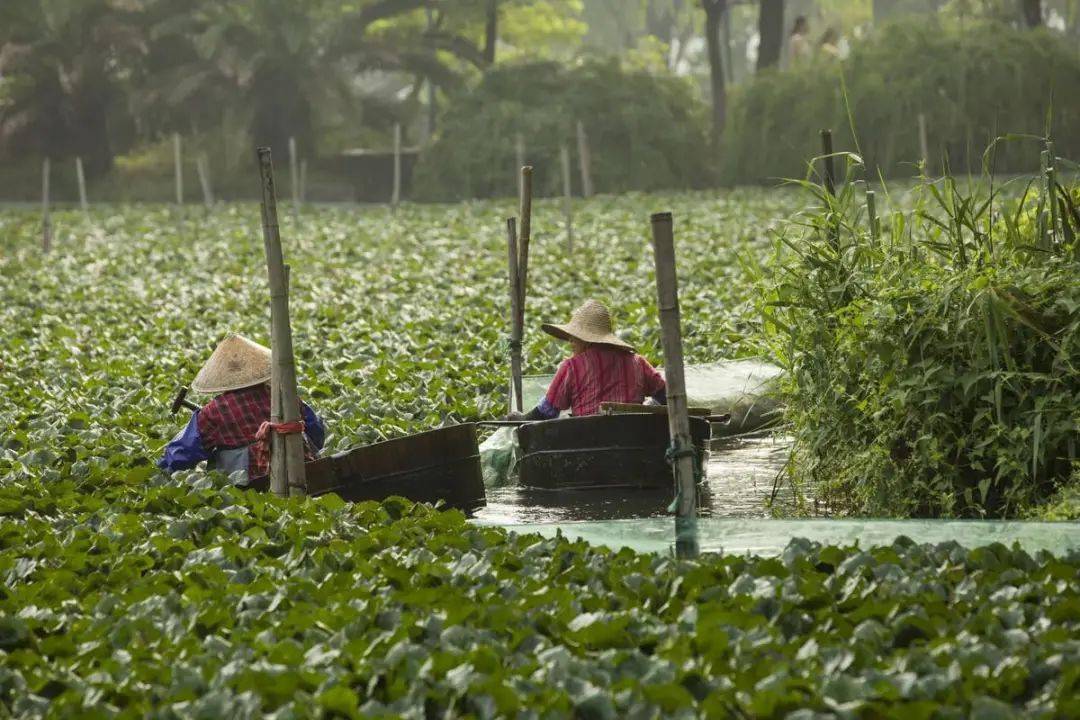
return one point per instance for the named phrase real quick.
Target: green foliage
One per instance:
(933, 370)
(972, 83)
(645, 132)
(194, 600)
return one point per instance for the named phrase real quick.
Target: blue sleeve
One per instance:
(546, 410)
(314, 427)
(186, 450)
(661, 396)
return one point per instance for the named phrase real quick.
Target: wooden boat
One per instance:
(441, 464)
(602, 451)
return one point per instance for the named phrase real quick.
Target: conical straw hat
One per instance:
(236, 363)
(590, 323)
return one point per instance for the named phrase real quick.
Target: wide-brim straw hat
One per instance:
(236, 363)
(590, 323)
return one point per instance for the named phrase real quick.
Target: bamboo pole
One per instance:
(827, 159)
(178, 169)
(684, 455)
(525, 235)
(294, 174)
(202, 167)
(871, 214)
(1051, 184)
(46, 219)
(396, 198)
(519, 152)
(584, 160)
(287, 476)
(517, 328)
(304, 180)
(568, 205)
(80, 177)
(1043, 220)
(924, 146)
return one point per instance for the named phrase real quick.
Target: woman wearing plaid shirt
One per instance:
(603, 368)
(223, 432)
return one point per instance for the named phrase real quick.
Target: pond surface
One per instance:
(741, 473)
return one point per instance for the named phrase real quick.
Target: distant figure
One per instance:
(829, 44)
(799, 41)
(603, 368)
(228, 432)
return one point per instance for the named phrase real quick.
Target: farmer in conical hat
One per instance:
(226, 431)
(603, 368)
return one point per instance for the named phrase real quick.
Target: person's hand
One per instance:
(515, 415)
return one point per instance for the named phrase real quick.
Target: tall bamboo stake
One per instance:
(178, 169)
(516, 316)
(294, 174)
(287, 476)
(202, 167)
(519, 153)
(568, 205)
(303, 181)
(525, 235)
(396, 199)
(827, 159)
(584, 160)
(1051, 184)
(80, 177)
(682, 445)
(924, 146)
(871, 214)
(46, 219)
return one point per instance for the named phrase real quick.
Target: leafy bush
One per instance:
(972, 83)
(645, 132)
(196, 601)
(933, 370)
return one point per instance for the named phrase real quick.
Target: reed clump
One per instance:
(933, 358)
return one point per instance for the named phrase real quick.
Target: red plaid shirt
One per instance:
(602, 374)
(232, 420)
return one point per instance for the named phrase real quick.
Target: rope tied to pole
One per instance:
(261, 448)
(673, 454)
(510, 345)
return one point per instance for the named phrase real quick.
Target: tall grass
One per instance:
(932, 360)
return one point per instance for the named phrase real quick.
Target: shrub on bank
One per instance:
(971, 84)
(645, 132)
(934, 371)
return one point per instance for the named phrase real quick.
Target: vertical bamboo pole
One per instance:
(584, 160)
(303, 181)
(294, 174)
(1051, 184)
(682, 444)
(525, 235)
(286, 451)
(396, 199)
(568, 206)
(924, 146)
(80, 177)
(178, 169)
(519, 153)
(871, 214)
(1043, 219)
(827, 159)
(46, 219)
(202, 167)
(516, 316)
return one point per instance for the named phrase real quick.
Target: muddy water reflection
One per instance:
(741, 474)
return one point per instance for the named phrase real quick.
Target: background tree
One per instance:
(714, 15)
(771, 32)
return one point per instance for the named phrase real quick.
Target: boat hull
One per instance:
(601, 451)
(442, 464)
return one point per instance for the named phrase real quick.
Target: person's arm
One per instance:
(557, 399)
(186, 450)
(655, 385)
(314, 427)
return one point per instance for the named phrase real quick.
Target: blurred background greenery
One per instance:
(669, 93)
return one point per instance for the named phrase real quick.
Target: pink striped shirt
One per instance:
(602, 374)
